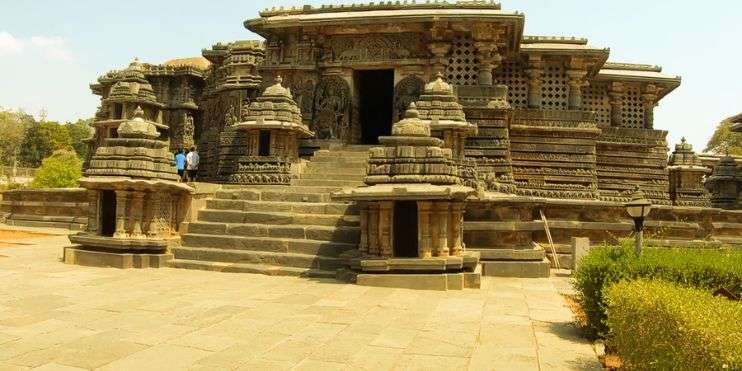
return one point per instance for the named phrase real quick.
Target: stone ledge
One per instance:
(509, 254)
(438, 282)
(78, 256)
(521, 269)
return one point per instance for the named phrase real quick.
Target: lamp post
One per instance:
(638, 208)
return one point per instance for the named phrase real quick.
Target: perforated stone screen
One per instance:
(511, 74)
(554, 87)
(632, 112)
(462, 64)
(595, 98)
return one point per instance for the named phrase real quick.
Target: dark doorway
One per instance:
(376, 103)
(264, 145)
(107, 213)
(405, 229)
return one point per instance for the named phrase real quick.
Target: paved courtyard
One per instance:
(60, 317)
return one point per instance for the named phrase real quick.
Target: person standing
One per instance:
(192, 165)
(180, 162)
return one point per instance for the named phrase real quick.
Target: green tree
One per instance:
(725, 140)
(41, 140)
(60, 170)
(12, 132)
(79, 131)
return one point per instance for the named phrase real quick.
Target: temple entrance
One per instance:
(376, 103)
(107, 213)
(405, 229)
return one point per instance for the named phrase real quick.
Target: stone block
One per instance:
(75, 255)
(522, 269)
(438, 282)
(580, 248)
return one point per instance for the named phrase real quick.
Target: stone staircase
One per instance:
(279, 230)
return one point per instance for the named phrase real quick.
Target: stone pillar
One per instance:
(137, 203)
(93, 211)
(386, 213)
(456, 228)
(576, 82)
(616, 100)
(649, 101)
(121, 199)
(363, 243)
(489, 59)
(534, 84)
(424, 239)
(440, 51)
(373, 228)
(440, 247)
(153, 214)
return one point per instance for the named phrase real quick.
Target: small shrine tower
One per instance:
(411, 214)
(273, 127)
(686, 177)
(135, 200)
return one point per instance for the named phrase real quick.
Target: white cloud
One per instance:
(53, 48)
(9, 44)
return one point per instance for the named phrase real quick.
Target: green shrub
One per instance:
(60, 170)
(604, 266)
(658, 325)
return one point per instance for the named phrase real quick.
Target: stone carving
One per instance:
(230, 118)
(406, 91)
(376, 47)
(332, 105)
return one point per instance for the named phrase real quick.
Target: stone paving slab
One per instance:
(62, 317)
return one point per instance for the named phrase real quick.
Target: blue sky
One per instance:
(51, 50)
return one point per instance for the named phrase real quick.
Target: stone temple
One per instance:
(414, 144)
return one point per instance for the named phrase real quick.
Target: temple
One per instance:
(305, 132)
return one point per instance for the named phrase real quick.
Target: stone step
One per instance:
(274, 194)
(326, 168)
(268, 244)
(326, 208)
(327, 182)
(565, 260)
(352, 147)
(334, 176)
(297, 189)
(270, 270)
(275, 218)
(342, 234)
(360, 161)
(258, 257)
(340, 154)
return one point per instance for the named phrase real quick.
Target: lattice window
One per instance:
(463, 64)
(555, 87)
(511, 74)
(632, 111)
(595, 98)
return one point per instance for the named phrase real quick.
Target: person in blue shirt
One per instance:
(180, 162)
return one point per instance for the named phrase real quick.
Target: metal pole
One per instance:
(639, 239)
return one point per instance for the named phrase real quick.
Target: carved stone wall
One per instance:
(629, 157)
(553, 153)
(375, 47)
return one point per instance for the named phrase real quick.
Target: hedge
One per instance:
(659, 325)
(604, 266)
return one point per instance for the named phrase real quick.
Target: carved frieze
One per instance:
(332, 109)
(375, 47)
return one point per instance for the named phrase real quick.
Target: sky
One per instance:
(50, 50)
